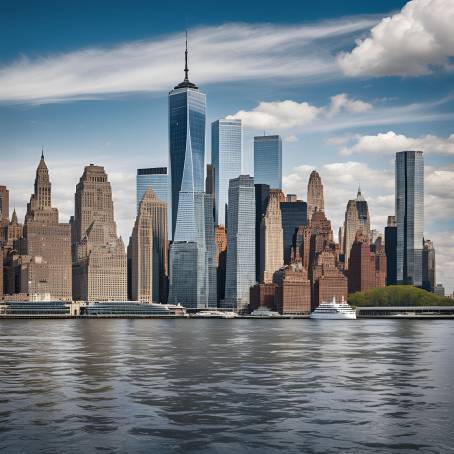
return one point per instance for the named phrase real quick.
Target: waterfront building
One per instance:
(428, 266)
(187, 106)
(148, 251)
(315, 198)
(332, 283)
(262, 192)
(293, 292)
(262, 296)
(367, 267)
(294, 214)
(240, 268)
(391, 251)
(220, 235)
(271, 232)
(226, 158)
(268, 161)
(356, 220)
(99, 258)
(409, 216)
(42, 261)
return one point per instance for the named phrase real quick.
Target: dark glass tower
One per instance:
(262, 192)
(409, 216)
(391, 251)
(293, 214)
(187, 105)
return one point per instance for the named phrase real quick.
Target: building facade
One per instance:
(187, 117)
(268, 161)
(99, 258)
(272, 244)
(294, 215)
(240, 268)
(391, 251)
(409, 216)
(315, 198)
(148, 251)
(155, 178)
(262, 192)
(226, 158)
(428, 266)
(356, 220)
(220, 235)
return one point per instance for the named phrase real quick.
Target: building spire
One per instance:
(186, 70)
(42, 152)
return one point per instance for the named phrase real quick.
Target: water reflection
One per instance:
(219, 386)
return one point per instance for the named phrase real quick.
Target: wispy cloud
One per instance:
(222, 53)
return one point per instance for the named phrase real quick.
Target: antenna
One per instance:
(186, 70)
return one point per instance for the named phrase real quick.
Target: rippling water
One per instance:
(225, 386)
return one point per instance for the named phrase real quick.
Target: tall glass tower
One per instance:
(155, 178)
(268, 161)
(410, 216)
(226, 157)
(187, 106)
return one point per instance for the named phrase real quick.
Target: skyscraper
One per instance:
(315, 199)
(356, 219)
(240, 268)
(391, 251)
(221, 259)
(262, 192)
(294, 214)
(272, 244)
(99, 258)
(4, 204)
(45, 247)
(226, 157)
(148, 250)
(409, 216)
(428, 266)
(155, 178)
(268, 161)
(187, 105)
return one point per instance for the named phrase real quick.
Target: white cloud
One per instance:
(410, 43)
(391, 142)
(281, 115)
(342, 102)
(224, 53)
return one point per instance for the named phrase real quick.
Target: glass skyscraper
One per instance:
(240, 267)
(293, 214)
(187, 105)
(268, 161)
(409, 216)
(226, 157)
(155, 178)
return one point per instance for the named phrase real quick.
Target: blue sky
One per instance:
(344, 86)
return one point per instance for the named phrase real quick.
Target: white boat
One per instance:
(214, 314)
(334, 311)
(264, 312)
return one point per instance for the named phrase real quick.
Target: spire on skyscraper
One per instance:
(186, 83)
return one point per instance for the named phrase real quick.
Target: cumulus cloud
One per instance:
(281, 115)
(391, 142)
(412, 42)
(217, 54)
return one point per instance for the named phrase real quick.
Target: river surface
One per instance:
(226, 386)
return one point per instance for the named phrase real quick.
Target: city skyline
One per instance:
(343, 113)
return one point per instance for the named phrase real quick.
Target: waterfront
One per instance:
(216, 386)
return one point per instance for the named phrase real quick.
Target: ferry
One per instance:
(264, 312)
(334, 311)
(214, 314)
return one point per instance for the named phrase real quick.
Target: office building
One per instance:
(226, 158)
(391, 251)
(268, 161)
(240, 268)
(261, 201)
(148, 251)
(356, 220)
(4, 204)
(315, 198)
(155, 178)
(294, 215)
(187, 106)
(99, 258)
(42, 263)
(271, 232)
(262, 296)
(220, 235)
(409, 216)
(428, 266)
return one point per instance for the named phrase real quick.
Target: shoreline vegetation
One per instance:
(397, 295)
